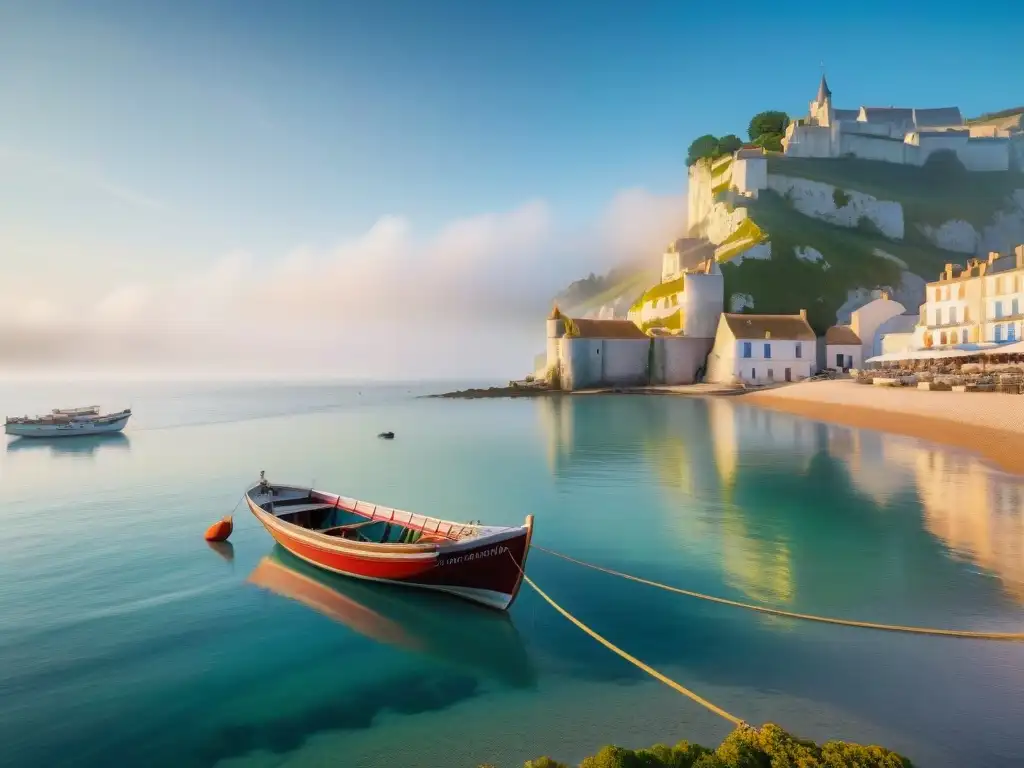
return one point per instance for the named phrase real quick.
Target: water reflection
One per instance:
(79, 445)
(775, 496)
(485, 642)
(225, 549)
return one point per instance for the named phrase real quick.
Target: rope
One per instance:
(627, 656)
(632, 659)
(1011, 636)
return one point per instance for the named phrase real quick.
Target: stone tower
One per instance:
(821, 107)
(556, 330)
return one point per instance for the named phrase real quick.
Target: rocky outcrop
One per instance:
(1007, 228)
(806, 253)
(955, 235)
(740, 301)
(722, 222)
(760, 251)
(840, 207)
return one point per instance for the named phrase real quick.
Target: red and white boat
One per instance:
(357, 538)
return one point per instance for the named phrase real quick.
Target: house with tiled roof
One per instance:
(761, 349)
(843, 348)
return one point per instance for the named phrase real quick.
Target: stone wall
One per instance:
(867, 147)
(676, 359)
(749, 175)
(587, 363)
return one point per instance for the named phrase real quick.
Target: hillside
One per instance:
(611, 295)
(827, 232)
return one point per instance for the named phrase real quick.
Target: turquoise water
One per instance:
(127, 640)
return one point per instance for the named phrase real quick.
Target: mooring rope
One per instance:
(678, 688)
(963, 633)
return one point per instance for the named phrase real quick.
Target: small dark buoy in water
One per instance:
(221, 530)
(387, 435)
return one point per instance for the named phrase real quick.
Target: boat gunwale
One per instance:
(427, 550)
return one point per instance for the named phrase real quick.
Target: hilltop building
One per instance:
(907, 136)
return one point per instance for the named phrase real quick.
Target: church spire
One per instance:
(823, 91)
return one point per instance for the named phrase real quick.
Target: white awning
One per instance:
(1012, 348)
(924, 354)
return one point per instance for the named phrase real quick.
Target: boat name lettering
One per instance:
(498, 550)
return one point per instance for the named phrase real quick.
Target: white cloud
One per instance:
(469, 300)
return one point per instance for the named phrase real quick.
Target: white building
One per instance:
(978, 304)
(871, 320)
(843, 348)
(896, 135)
(759, 349)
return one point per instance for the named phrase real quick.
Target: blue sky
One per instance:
(141, 140)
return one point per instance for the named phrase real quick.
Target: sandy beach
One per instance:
(990, 424)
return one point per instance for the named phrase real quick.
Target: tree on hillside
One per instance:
(708, 147)
(701, 148)
(767, 123)
(770, 141)
(728, 144)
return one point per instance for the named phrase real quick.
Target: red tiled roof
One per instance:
(842, 334)
(791, 327)
(608, 329)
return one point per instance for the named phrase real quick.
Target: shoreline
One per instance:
(687, 390)
(990, 425)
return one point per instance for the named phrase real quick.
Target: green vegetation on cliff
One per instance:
(766, 747)
(766, 129)
(850, 260)
(860, 257)
(935, 193)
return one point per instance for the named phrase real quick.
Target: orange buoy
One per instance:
(220, 530)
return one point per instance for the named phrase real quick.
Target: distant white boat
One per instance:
(68, 422)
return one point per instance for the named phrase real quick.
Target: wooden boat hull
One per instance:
(486, 569)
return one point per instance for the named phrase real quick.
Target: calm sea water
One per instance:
(125, 639)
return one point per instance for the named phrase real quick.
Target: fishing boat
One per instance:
(452, 632)
(480, 563)
(68, 422)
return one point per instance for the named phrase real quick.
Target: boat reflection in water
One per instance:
(456, 633)
(76, 445)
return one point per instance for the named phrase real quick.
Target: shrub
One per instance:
(612, 757)
(746, 747)
(840, 198)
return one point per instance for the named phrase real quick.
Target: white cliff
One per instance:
(819, 201)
